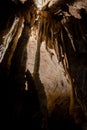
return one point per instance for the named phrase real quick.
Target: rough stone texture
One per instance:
(52, 76)
(76, 6)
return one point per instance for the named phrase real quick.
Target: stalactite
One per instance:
(36, 77)
(37, 56)
(69, 34)
(65, 61)
(12, 46)
(15, 40)
(9, 36)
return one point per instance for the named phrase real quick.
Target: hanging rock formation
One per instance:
(67, 35)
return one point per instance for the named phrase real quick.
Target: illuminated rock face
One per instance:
(56, 93)
(56, 85)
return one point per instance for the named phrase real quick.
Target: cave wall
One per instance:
(13, 70)
(64, 32)
(22, 109)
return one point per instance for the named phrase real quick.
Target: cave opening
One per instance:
(39, 3)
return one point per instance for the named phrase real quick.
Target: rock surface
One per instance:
(52, 76)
